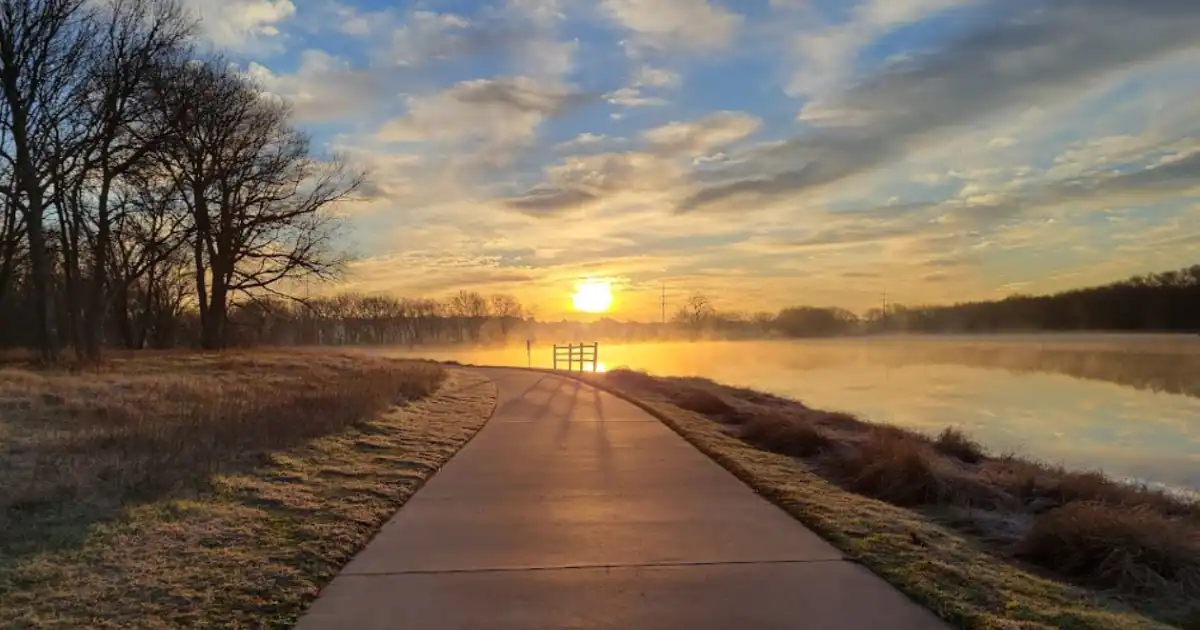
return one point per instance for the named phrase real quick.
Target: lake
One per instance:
(1125, 404)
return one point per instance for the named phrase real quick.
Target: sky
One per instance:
(764, 153)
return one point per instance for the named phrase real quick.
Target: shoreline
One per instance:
(921, 540)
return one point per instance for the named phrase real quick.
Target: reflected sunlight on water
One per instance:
(1124, 404)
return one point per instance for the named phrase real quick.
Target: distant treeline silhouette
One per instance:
(1168, 301)
(342, 320)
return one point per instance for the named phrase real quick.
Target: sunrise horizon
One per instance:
(743, 150)
(764, 153)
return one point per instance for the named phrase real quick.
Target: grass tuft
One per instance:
(896, 468)
(1130, 549)
(954, 442)
(781, 434)
(701, 401)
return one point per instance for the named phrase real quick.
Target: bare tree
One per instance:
(43, 44)
(695, 313)
(471, 310)
(507, 311)
(12, 240)
(139, 44)
(259, 203)
(146, 258)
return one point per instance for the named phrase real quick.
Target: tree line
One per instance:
(1165, 302)
(142, 182)
(356, 319)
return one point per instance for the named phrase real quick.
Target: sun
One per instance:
(593, 296)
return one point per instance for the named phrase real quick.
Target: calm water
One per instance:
(1129, 405)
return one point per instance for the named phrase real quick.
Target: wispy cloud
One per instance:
(674, 24)
(1043, 52)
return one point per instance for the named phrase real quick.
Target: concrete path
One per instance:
(575, 509)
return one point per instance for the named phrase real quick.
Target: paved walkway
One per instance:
(575, 509)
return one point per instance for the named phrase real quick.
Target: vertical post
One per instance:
(595, 355)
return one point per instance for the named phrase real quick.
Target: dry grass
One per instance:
(954, 442)
(781, 434)
(1132, 549)
(186, 490)
(132, 429)
(985, 542)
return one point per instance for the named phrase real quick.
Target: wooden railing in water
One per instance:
(582, 354)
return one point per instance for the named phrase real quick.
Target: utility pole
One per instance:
(883, 321)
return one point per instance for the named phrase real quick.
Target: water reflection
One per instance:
(1129, 405)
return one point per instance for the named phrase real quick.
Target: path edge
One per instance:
(748, 478)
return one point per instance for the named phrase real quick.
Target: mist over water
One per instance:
(1125, 404)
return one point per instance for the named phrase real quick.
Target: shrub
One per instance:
(957, 444)
(634, 379)
(893, 467)
(700, 401)
(784, 435)
(1132, 549)
(1044, 487)
(903, 469)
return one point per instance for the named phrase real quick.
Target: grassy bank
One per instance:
(985, 541)
(185, 490)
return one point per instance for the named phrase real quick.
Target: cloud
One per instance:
(580, 181)
(428, 36)
(584, 180)
(645, 79)
(350, 20)
(521, 34)
(324, 87)
(694, 25)
(633, 97)
(1175, 175)
(518, 93)
(826, 55)
(242, 24)
(435, 274)
(701, 137)
(540, 201)
(649, 76)
(1044, 52)
(585, 141)
(496, 116)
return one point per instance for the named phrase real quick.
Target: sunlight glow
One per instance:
(593, 296)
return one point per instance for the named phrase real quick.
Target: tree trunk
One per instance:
(120, 307)
(95, 310)
(27, 181)
(69, 234)
(212, 333)
(40, 266)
